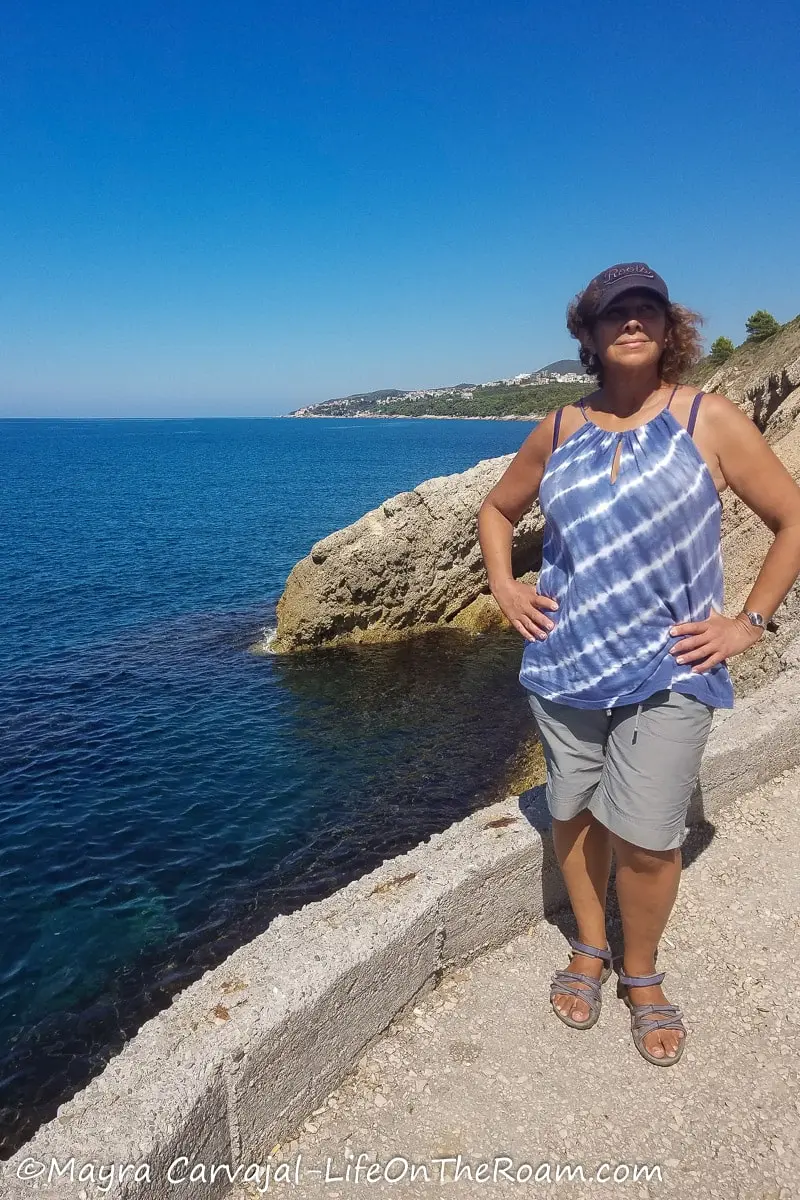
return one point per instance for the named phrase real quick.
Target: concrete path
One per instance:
(483, 1069)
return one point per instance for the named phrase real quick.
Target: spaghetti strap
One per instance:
(672, 397)
(693, 413)
(583, 410)
(556, 427)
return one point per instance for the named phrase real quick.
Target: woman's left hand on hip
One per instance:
(706, 643)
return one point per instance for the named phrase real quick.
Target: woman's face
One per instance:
(631, 331)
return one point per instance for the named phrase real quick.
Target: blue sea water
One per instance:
(164, 792)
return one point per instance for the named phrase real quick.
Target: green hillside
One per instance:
(535, 393)
(748, 356)
(488, 401)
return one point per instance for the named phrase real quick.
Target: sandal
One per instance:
(564, 982)
(644, 1019)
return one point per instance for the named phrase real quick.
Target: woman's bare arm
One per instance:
(512, 496)
(760, 479)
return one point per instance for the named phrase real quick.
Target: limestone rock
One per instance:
(411, 565)
(745, 542)
(764, 378)
(761, 377)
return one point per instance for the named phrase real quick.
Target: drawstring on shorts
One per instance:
(609, 711)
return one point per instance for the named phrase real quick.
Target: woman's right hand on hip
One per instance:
(526, 609)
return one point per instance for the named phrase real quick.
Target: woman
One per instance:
(627, 643)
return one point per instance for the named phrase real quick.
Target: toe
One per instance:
(570, 1006)
(664, 1043)
(654, 1045)
(672, 1041)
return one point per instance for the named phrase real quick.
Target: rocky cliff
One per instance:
(414, 565)
(764, 378)
(411, 566)
(760, 376)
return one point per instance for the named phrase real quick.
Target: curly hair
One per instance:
(682, 345)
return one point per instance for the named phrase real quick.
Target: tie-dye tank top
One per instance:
(626, 560)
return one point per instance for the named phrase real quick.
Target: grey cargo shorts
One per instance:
(634, 766)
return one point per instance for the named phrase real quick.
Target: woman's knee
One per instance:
(641, 860)
(583, 824)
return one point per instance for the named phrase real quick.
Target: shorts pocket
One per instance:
(678, 718)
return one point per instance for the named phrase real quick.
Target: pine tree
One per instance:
(761, 325)
(721, 350)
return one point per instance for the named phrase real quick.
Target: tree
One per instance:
(721, 350)
(761, 325)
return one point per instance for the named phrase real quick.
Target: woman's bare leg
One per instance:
(583, 850)
(647, 884)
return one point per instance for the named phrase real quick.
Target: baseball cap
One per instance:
(623, 278)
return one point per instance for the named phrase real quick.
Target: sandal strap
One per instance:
(644, 1023)
(593, 951)
(589, 996)
(641, 980)
(566, 978)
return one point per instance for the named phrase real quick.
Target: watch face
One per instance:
(756, 619)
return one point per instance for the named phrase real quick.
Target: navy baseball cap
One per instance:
(623, 278)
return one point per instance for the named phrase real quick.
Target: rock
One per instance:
(484, 614)
(762, 376)
(410, 566)
(745, 542)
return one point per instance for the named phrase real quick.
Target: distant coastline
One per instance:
(551, 387)
(408, 417)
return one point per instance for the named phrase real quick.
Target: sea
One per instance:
(164, 790)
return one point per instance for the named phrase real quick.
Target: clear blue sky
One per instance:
(237, 209)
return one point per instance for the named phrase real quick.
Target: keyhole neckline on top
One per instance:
(619, 443)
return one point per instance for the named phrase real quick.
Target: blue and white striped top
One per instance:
(626, 560)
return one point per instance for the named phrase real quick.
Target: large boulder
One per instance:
(413, 564)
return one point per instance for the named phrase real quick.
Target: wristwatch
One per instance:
(757, 620)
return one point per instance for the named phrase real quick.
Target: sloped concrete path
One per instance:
(482, 1068)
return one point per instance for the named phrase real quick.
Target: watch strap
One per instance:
(758, 621)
